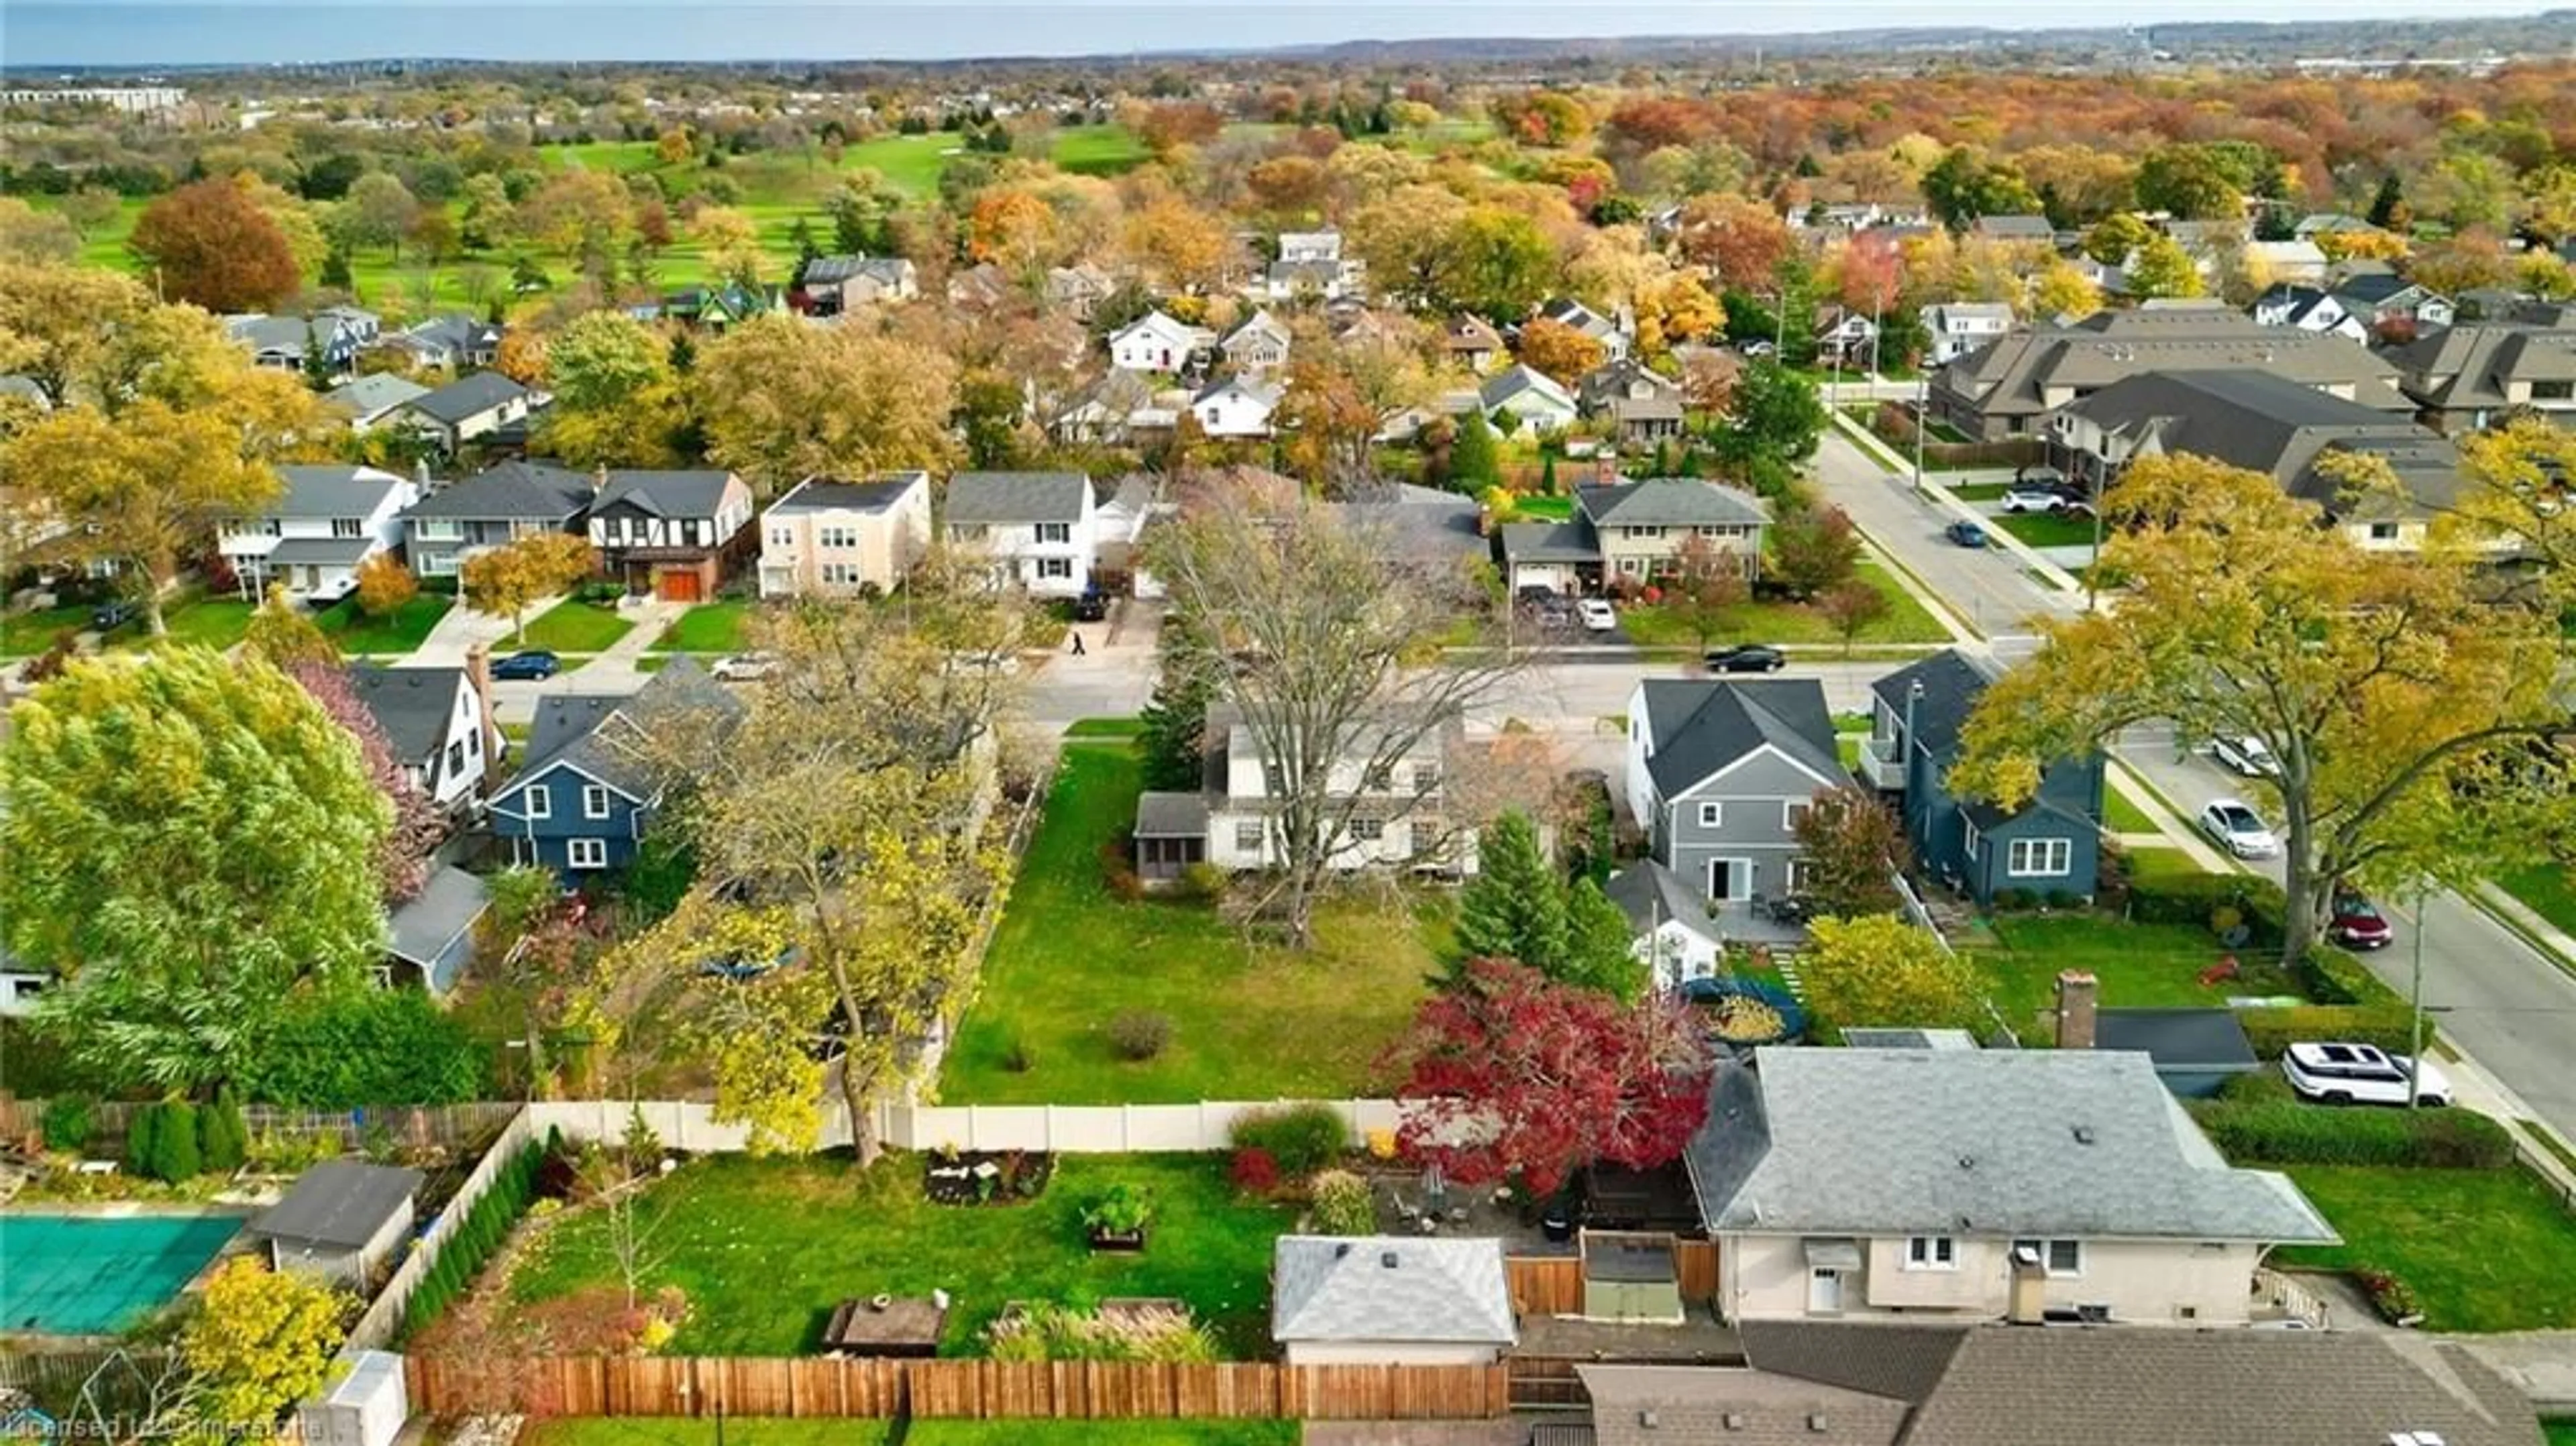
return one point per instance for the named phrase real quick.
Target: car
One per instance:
(109, 616)
(1965, 533)
(745, 667)
(1596, 615)
(2345, 1073)
(2235, 824)
(1746, 658)
(535, 663)
(2356, 923)
(1759, 348)
(1091, 607)
(2031, 497)
(1554, 612)
(2246, 757)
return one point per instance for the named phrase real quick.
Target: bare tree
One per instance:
(1327, 632)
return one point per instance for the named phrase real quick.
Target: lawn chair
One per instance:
(2225, 969)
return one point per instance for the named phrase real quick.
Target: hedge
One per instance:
(371, 1047)
(2273, 1031)
(481, 1232)
(1301, 1138)
(2295, 1133)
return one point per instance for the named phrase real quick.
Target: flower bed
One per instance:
(986, 1177)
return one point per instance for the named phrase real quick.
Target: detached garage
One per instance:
(342, 1221)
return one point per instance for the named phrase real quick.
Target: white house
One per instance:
(831, 538)
(1613, 336)
(319, 531)
(438, 722)
(1038, 530)
(1310, 246)
(368, 400)
(1155, 342)
(1529, 394)
(1960, 327)
(1669, 916)
(1258, 343)
(1236, 407)
(1957, 1186)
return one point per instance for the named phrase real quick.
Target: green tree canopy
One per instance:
(1879, 969)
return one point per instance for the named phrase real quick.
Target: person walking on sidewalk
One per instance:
(1077, 644)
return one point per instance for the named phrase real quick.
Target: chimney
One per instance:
(478, 676)
(2076, 991)
(420, 476)
(599, 478)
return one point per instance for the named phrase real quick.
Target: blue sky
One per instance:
(35, 33)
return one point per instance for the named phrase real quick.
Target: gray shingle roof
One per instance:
(376, 392)
(331, 490)
(824, 494)
(2014, 375)
(445, 907)
(1671, 502)
(1512, 381)
(983, 498)
(1652, 895)
(510, 491)
(320, 551)
(468, 396)
(1952, 683)
(1699, 726)
(2270, 424)
(695, 493)
(411, 705)
(1901, 1362)
(609, 738)
(1390, 1288)
(1990, 1142)
(1171, 815)
(1659, 1405)
(339, 1203)
(1550, 542)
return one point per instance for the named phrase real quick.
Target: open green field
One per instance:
(2485, 1250)
(1906, 621)
(766, 1248)
(1249, 1021)
(2139, 965)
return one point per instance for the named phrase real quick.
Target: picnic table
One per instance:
(886, 1326)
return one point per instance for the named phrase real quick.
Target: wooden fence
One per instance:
(983, 1390)
(1553, 1284)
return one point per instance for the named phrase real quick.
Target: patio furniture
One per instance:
(907, 1326)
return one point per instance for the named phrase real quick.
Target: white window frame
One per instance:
(348, 528)
(1054, 534)
(2047, 1251)
(839, 537)
(586, 853)
(1931, 1252)
(541, 801)
(594, 801)
(1055, 569)
(1254, 830)
(1790, 808)
(439, 529)
(782, 536)
(1712, 815)
(1969, 837)
(2056, 858)
(1368, 830)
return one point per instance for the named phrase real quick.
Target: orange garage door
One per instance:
(676, 586)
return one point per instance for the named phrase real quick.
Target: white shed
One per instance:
(367, 1406)
(1391, 1300)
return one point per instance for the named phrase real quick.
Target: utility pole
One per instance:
(1922, 417)
(2415, 992)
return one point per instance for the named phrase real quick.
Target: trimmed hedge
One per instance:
(2273, 1031)
(2192, 898)
(1301, 1138)
(2295, 1133)
(476, 1237)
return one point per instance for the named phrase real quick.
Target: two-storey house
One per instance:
(493, 508)
(1565, 310)
(1718, 773)
(1155, 342)
(474, 405)
(1978, 1185)
(1629, 533)
(1530, 395)
(1960, 327)
(323, 527)
(1036, 530)
(335, 335)
(1643, 406)
(2466, 377)
(1467, 341)
(829, 538)
(831, 285)
(2051, 844)
(1389, 790)
(438, 722)
(673, 535)
(595, 770)
(1078, 290)
(454, 343)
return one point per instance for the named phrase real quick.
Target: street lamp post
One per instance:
(2415, 991)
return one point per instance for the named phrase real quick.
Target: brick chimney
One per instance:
(2076, 998)
(478, 677)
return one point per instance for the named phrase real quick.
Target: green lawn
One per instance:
(1248, 1022)
(2547, 889)
(766, 1248)
(2162, 863)
(359, 635)
(2559, 1433)
(2138, 965)
(2485, 1250)
(1906, 621)
(574, 626)
(1104, 728)
(23, 635)
(2119, 815)
(1980, 491)
(715, 627)
(213, 622)
(1538, 509)
(2044, 529)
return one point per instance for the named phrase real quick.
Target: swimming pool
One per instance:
(95, 1275)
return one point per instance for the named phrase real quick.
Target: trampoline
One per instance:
(93, 1275)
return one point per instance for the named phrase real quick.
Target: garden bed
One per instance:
(985, 1177)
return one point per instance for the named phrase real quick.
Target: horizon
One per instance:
(142, 34)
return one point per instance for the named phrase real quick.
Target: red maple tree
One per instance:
(1510, 1074)
(402, 858)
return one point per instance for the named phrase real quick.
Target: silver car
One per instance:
(2234, 823)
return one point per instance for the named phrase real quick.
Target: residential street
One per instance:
(1988, 589)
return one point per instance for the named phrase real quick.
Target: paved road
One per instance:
(1988, 589)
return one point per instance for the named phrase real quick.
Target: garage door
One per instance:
(677, 587)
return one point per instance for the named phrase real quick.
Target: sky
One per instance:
(37, 33)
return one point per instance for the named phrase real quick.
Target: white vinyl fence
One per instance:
(690, 1126)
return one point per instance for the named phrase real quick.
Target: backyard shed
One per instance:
(343, 1220)
(1390, 1300)
(433, 933)
(366, 1407)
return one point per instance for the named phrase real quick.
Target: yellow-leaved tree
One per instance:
(260, 1341)
(505, 582)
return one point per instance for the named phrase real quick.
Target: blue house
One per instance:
(591, 782)
(2050, 845)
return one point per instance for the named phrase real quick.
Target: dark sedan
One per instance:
(2357, 923)
(535, 665)
(1746, 658)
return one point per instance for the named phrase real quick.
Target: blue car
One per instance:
(536, 664)
(1965, 533)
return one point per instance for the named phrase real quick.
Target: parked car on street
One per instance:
(2246, 757)
(107, 617)
(2361, 1074)
(745, 667)
(2356, 922)
(1597, 615)
(1965, 533)
(1746, 658)
(2234, 824)
(536, 664)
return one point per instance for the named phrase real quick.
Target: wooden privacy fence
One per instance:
(984, 1390)
(1553, 1284)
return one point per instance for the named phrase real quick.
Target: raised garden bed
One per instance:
(986, 1177)
(1743, 1013)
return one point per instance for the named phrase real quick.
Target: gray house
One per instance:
(342, 1220)
(2050, 845)
(1718, 773)
(493, 508)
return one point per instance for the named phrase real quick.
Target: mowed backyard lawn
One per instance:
(2485, 1250)
(2139, 965)
(766, 1248)
(1249, 1021)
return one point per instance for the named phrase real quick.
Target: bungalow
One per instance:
(455, 342)
(830, 285)
(1258, 343)
(471, 406)
(1078, 289)
(1719, 772)
(1036, 530)
(321, 529)
(1110, 409)
(1566, 311)
(438, 723)
(2051, 844)
(831, 538)
(1530, 395)
(493, 508)
(1468, 342)
(1155, 342)
(369, 400)
(1978, 1185)
(1391, 1300)
(673, 535)
(594, 772)
(1236, 407)
(1669, 916)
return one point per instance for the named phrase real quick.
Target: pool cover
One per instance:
(88, 1275)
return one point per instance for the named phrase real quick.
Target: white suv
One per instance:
(2348, 1074)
